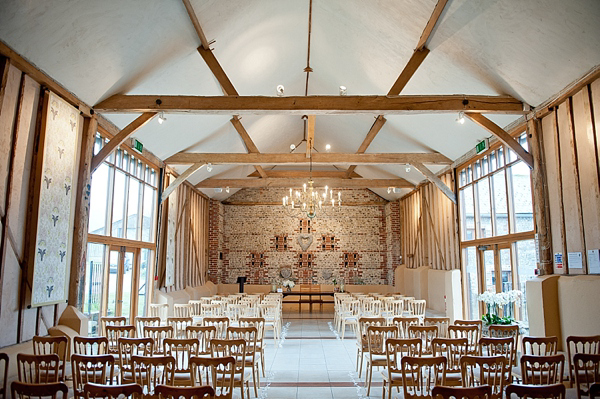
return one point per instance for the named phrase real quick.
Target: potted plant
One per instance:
(289, 284)
(495, 301)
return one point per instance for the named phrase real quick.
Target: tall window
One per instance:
(121, 236)
(497, 226)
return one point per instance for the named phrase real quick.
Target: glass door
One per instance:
(497, 270)
(121, 283)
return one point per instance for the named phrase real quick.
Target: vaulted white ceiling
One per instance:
(528, 49)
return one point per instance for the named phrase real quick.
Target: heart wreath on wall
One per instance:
(304, 240)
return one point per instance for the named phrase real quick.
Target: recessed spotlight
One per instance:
(209, 167)
(292, 147)
(161, 118)
(407, 168)
(280, 90)
(328, 147)
(343, 90)
(461, 118)
(227, 189)
(218, 190)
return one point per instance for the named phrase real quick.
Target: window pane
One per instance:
(149, 206)
(118, 204)
(140, 170)
(468, 213)
(489, 271)
(463, 178)
(469, 174)
(97, 143)
(500, 204)
(484, 163)
(145, 268)
(470, 259)
(500, 158)
(477, 169)
(525, 257)
(485, 212)
(99, 199)
(127, 275)
(523, 141)
(92, 292)
(119, 158)
(512, 156)
(133, 209)
(493, 165)
(125, 165)
(522, 201)
(111, 307)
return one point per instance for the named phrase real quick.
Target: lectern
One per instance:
(241, 281)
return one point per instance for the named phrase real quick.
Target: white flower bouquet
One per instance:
(289, 284)
(495, 301)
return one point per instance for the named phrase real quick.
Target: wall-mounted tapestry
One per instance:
(57, 183)
(171, 228)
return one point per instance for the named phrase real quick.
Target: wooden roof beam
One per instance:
(433, 20)
(180, 179)
(435, 180)
(196, 23)
(298, 182)
(278, 174)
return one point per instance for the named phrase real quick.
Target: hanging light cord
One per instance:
(308, 69)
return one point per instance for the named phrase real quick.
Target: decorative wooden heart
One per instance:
(304, 240)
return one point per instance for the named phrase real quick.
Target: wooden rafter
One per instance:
(278, 174)
(120, 138)
(433, 20)
(218, 71)
(435, 180)
(375, 128)
(317, 105)
(250, 146)
(317, 158)
(180, 179)
(503, 136)
(409, 70)
(298, 182)
(196, 23)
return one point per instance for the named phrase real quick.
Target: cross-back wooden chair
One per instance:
(133, 391)
(403, 323)
(542, 370)
(59, 345)
(179, 325)
(259, 323)
(218, 372)
(129, 347)
(470, 332)
(111, 321)
(587, 372)
(448, 392)
(441, 322)
(141, 322)
(250, 335)
(182, 350)
(453, 349)
(237, 349)
(484, 370)
(503, 347)
(395, 349)
(90, 345)
(220, 323)
(158, 335)
(38, 369)
(376, 354)
(169, 392)
(421, 374)
(23, 390)
(580, 344)
(4, 367)
(150, 371)
(114, 333)
(556, 391)
(362, 344)
(426, 334)
(96, 369)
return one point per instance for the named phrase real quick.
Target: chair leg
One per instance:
(255, 380)
(361, 365)
(343, 328)
(369, 376)
(262, 362)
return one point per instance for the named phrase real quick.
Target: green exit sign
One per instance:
(482, 146)
(137, 145)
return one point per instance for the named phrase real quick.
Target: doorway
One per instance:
(121, 277)
(497, 275)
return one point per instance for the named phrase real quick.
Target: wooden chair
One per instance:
(484, 370)
(580, 344)
(203, 334)
(259, 323)
(595, 391)
(250, 335)
(349, 316)
(470, 332)
(371, 308)
(587, 372)
(234, 312)
(218, 372)
(478, 323)
(453, 349)
(395, 349)
(111, 321)
(235, 348)
(403, 323)
(392, 308)
(540, 346)
(179, 325)
(134, 391)
(196, 308)
(169, 392)
(141, 322)
(59, 345)
(376, 354)
(441, 322)
(362, 344)
(421, 374)
(426, 334)
(38, 369)
(23, 390)
(129, 347)
(159, 310)
(183, 310)
(220, 323)
(210, 310)
(500, 347)
(90, 345)
(4, 360)
(96, 369)
(542, 370)
(501, 331)
(480, 392)
(271, 312)
(158, 335)
(150, 371)
(417, 307)
(556, 391)
(114, 333)
(182, 350)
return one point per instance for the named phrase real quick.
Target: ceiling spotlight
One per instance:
(280, 90)
(343, 90)
(461, 118)
(390, 190)
(328, 147)
(407, 168)
(292, 147)
(209, 167)
(218, 190)
(161, 117)
(227, 189)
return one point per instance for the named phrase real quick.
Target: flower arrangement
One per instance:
(495, 301)
(289, 284)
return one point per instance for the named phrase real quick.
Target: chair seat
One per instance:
(377, 360)
(453, 378)
(394, 378)
(182, 376)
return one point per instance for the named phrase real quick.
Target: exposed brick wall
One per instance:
(372, 232)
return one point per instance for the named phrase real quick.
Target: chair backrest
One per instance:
(350, 308)
(540, 346)
(179, 325)
(170, 392)
(230, 347)
(159, 310)
(158, 335)
(114, 333)
(195, 307)
(363, 324)
(258, 322)
(203, 334)
(421, 374)
(111, 321)
(403, 323)
(90, 345)
(417, 307)
(556, 391)
(478, 323)
(113, 391)
(210, 310)
(150, 371)
(234, 312)
(480, 392)
(587, 371)
(453, 349)
(97, 369)
(396, 348)
(59, 345)
(505, 331)
(220, 323)
(38, 369)
(499, 346)
(371, 308)
(182, 310)
(4, 367)
(441, 322)
(542, 370)
(248, 334)
(218, 372)
(424, 333)
(141, 322)
(394, 307)
(470, 332)
(129, 347)
(182, 350)
(377, 337)
(484, 370)
(22, 390)
(581, 344)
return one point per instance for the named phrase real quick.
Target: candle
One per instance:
(332, 202)
(331, 194)
(339, 195)
(292, 204)
(290, 192)
(304, 187)
(283, 200)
